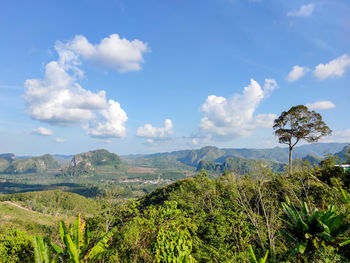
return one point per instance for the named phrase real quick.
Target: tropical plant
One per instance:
(310, 229)
(252, 256)
(42, 251)
(173, 245)
(345, 197)
(78, 246)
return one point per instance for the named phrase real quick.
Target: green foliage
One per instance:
(42, 251)
(77, 242)
(203, 219)
(298, 123)
(330, 170)
(310, 229)
(173, 244)
(252, 256)
(16, 246)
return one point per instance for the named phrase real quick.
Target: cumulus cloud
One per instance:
(119, 53)
(234, 117)
(303, 11)
(321, 105)
(296, 73)
(334, 68)
(59, 99)
(155, 133)
(42, 131)
(113, 124)
(60, 140)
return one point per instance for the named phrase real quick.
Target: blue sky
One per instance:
(162, 75)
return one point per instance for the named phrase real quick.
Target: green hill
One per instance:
(89, 163)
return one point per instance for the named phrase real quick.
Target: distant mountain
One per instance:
(159, 160)
(8, 156)
(5, 160)
(93, 161)
(318, 149)
(239, 166)
(343, 153)
(208, 153)
(32, 165)
(62, 157)
(89, 162)
(312, 159)
(192, 158)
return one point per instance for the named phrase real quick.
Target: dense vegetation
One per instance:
(303, 217)
(232, 210)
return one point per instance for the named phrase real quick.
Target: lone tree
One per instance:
(298, 123)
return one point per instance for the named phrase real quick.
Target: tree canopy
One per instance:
(298, 123)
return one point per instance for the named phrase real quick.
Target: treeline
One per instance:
(261, 217)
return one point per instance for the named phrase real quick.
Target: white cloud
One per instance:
(296, 73)
(104, 141)
(60, 140)
(42, 131)
(59, 99)
(156, 133)
(113, 124)
(338, 136)
(321, 105)
(119, 53)
(303, 11)
(334, 68)
(194, 141)
(234, 117)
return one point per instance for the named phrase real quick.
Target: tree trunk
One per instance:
(290, 160)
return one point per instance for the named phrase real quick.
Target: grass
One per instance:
(32, 222)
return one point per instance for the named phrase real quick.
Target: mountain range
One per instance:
(207, 157)
(211, 153)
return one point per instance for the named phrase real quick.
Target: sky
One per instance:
(135, 76)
